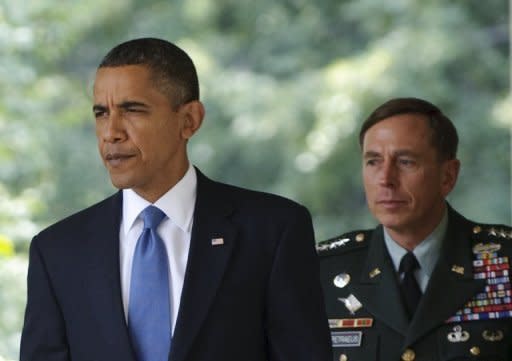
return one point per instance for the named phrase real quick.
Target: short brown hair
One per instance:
(444, 134)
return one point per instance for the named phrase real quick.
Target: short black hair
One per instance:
(172, 70)
(444, 134)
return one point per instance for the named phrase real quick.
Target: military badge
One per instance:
(496, 299)
(341, 280)
(483, 248)
(350, 322)
(458, 335)
(492, 336)
(351, 303)
(346, 338)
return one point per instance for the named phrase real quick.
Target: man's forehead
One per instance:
(122, 74)
(400, 128)
(391, 150)
(117, 82)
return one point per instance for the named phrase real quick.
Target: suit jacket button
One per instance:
(475, 351)
(408, 355)
(343, 357)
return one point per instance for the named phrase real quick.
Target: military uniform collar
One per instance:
(427, 252)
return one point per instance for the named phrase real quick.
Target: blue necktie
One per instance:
(149, 319)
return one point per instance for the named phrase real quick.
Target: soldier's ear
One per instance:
(449, 174)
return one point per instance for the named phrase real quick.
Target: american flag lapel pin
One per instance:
(217, 241)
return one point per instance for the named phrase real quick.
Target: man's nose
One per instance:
(113, 130)
(388, 174)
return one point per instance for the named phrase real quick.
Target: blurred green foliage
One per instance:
(286, 84)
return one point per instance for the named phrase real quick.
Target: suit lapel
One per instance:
(378, 287)
(451, 284)
(207, 261)
(101, 254)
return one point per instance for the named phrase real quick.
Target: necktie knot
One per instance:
(409, 263)
(152, 217)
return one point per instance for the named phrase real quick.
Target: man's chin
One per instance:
(390, 221)
(120, 183)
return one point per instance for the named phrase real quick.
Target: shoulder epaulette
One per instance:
(486, 232)
(345, 241)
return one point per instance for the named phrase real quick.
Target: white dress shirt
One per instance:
(427, 252)
(175, 230)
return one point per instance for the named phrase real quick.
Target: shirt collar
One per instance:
(427, 252)
(177, 203)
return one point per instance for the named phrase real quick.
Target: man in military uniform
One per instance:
(427, 283)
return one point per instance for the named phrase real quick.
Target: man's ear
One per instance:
(450, 172)
(193, 114)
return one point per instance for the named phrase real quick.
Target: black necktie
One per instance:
(411, 292)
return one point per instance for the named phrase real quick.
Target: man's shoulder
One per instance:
(487, 233)
(479, 229)
(81, 219)
(243, 196)
(345, 243)
(490, 241)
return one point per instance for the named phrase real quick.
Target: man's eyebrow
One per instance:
(98, 108)
(371, 154)
(123, 105)
(406, 152)
(131, 104)
(397, 153)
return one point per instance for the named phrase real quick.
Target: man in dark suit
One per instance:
(174, 266)
(427, 284)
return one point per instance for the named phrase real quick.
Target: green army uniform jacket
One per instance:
(464, 314)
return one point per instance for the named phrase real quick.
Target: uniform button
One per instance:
(343, 357)
(475, 351)
(408, 355)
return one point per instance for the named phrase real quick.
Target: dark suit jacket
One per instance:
(384, 332)
(256, 297)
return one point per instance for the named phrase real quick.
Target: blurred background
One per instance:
(286, 84)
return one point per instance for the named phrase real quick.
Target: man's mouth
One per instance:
(391, 203)
(115, 159)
